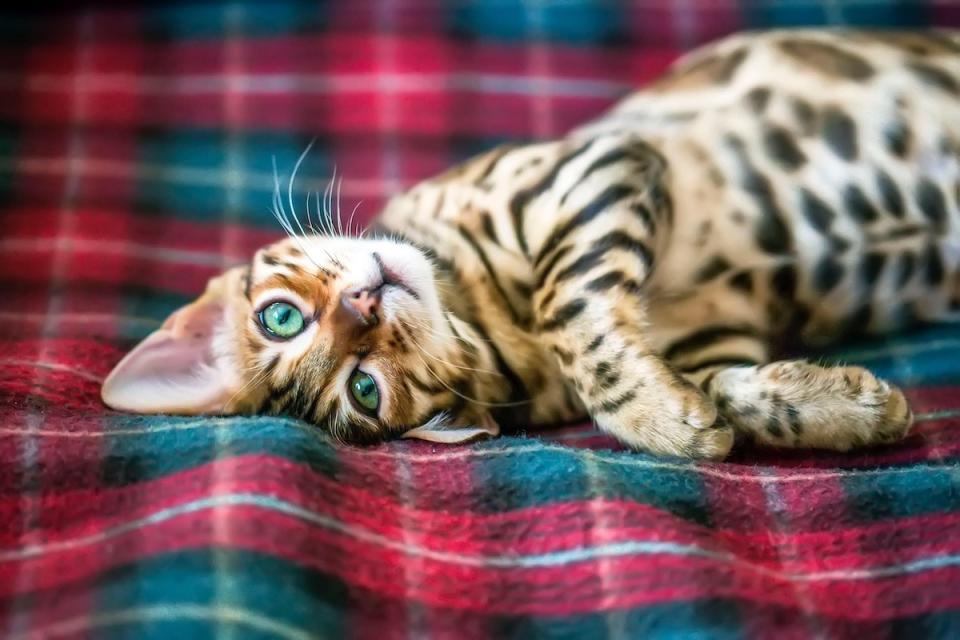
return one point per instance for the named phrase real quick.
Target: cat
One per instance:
(795, 185)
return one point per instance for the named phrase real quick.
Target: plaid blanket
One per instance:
(135, 162)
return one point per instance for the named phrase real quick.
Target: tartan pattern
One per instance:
(135, 160)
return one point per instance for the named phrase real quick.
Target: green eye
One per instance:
(364, 391)
(282, 319)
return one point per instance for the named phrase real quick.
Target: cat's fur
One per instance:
(793, 185)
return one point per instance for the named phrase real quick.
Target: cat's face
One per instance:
(346, 333)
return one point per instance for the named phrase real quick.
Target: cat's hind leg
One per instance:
(718, 341)
(794, 403)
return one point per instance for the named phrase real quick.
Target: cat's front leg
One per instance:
(589, 307)
(630, 391)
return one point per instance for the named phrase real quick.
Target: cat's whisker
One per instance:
(259, 377)
(290, 183)
(350, 230)
(309, 221)
(281, 215)
(339, 217)
(465, 397)
(423, 326)
(328, 203)
(409, 325)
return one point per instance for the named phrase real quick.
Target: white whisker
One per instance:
(339, 218)
(350, 230)
(293, 177)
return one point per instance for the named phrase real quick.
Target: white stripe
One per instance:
(166, 613)
(102, 247)
(510, 561)
(94, 318)
(184, 175)
(286, 84)
(51, 366)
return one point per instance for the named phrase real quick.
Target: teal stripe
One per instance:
(926, 356)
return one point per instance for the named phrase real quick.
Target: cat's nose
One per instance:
(362, 305)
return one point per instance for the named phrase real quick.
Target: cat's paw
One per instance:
(798, 404)
(674, 419)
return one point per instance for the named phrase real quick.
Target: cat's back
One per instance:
(785, 75)
(826, 161)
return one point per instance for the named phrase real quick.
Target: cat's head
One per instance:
(347, 333)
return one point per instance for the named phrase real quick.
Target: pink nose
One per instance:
(362, 305)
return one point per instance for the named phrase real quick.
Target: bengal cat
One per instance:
(791, 185)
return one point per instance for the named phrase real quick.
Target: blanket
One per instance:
(136, 154)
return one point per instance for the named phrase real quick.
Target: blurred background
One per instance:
(136, 141)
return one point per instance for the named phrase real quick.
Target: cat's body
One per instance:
(786, 186)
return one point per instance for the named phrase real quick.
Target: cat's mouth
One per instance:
(392, 278)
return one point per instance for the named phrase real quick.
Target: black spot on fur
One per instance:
(839, 244)
(643, 213)
(606, 281)
(827, 59)
(564, 314)
(827, 274)
(611, 406)
(595, 343)
(544, 270)
(488, 227)
(858, 206)
(784, 281)
(523, 289)
(905, 267)
(931, 202)
(547, 299)
(816, 211)
(773, 427)
(898, 138)
(607, 376)
(870, 267)
(725, 362)
(728, 66)
(840, 133)
(782, 148)
(935, 77)
(793, 419)
(722, 401)
(771, 233)
(707, 337)
(743, 281)
(890, 194)
(713, 268)
(758, 99)
(933, 270)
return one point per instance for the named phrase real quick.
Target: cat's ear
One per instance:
(456, 431)
(176, 369)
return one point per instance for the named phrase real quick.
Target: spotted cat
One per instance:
(790, 186)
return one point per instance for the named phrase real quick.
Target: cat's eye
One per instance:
(282, 319)
(364, 390)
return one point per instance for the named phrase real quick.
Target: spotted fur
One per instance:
(793, 186)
